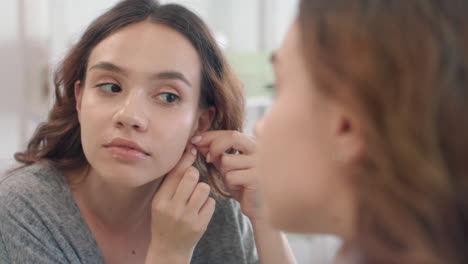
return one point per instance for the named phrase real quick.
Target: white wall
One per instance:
(9, 52)
(249, 25)
(11, 80)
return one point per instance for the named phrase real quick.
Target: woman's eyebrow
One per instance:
(166, 75)
(103, 65)
(172, 75)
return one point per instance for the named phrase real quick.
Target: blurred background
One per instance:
(35, 35)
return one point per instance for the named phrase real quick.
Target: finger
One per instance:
(199, 197)
(203, 150)
(229, 139)
(185, 188)
(240, 179)
(206, 211)
(206, 137)
(223, 144)
(231, 162)
(245, 145)
(185, 162)
(173, 178)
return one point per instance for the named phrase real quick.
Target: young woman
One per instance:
(109, 176)
(368, 135)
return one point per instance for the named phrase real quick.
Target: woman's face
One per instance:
(138, 106)
(298, 143)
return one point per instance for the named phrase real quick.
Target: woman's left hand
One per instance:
(237, 170)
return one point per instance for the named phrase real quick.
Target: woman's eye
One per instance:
(109, 87)
(168, 98)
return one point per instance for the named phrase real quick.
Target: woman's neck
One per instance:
(115, 207)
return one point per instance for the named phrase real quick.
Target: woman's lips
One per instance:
(126, 154)
(126, 150)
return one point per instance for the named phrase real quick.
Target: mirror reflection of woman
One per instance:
(368, 136)
(144, 126)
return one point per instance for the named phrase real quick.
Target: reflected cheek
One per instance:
(270, 164)
(275, 153)
(268, 148)
(258, 128)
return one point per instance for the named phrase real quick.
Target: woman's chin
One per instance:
(127, 177)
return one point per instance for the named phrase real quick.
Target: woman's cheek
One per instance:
(177, 135)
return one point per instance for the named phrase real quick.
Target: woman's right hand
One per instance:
(181, 211)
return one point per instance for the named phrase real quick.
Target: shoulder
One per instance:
(39, 221)
(31, 192)
(31, 182)
(26, 204)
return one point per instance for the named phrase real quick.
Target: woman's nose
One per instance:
(131, 115)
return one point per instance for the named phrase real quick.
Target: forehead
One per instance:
(146, 48)
(290, 45)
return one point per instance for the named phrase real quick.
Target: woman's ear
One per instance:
(348, 139)
(78, 96)
(204, 121)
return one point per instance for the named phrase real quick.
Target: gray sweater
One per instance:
(41, 223)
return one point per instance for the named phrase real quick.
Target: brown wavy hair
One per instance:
(58, 139)
(402, 65)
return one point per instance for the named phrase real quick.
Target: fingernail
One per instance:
(194, 151)
(196, 139)
(208, 158)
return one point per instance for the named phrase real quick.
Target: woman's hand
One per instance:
(237, 170)
(181, 211)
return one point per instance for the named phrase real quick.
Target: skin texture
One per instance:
(305, 143)
(139, 111)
